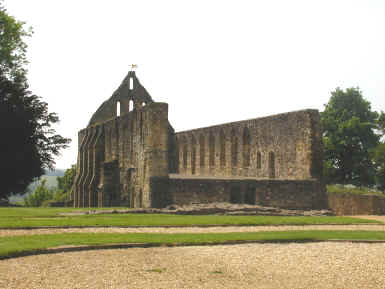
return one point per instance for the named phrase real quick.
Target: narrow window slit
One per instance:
(131, 83)
(118, 108)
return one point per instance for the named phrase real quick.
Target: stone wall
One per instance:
(284, 146)
(288, 194)
(353, 204)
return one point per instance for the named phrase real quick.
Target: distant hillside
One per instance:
(50, 177)
(51, 182)
(56, 172)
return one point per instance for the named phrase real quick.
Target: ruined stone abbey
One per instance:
(129, 155)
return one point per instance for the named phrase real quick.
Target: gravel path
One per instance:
(170, 230)
(309, 265)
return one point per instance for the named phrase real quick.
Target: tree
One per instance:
(12, 46)
(28, 143)
(378, 157)
(65, 184)
(349, 134)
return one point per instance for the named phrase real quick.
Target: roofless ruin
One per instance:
(130, 155)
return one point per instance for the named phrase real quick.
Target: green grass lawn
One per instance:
(41, 217)
(43, 212)
(19, 245)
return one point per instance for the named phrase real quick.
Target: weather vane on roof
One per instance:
(133, 67)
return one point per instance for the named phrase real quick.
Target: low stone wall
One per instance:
(351, 204)
(286, 194)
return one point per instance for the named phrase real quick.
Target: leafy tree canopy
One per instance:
(349, 134)
(378, 156)
(65, 182)
(12, 46)
(28, 142)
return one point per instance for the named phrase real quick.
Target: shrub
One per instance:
(351, 189)
(42, 193)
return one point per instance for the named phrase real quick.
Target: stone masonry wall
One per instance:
(122, 148)
(289, 194)
(285, 146)
(350, 204)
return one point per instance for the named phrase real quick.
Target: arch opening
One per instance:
(211, 150)
(259, 160)
(118, 108)
(222, 153)
(271, 165)
(130, 105)
(193, 155)
(202, 151)
(246, 147)
(184, 152)
(131, 83)
(234, 149)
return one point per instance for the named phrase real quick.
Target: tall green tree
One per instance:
(378, 157)
(28, 143)
(64, 184)
(12, 46)
(349, 133)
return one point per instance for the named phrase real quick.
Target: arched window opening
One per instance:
(211, 150)
(222, 153)
(202, 150)
(259, 160)
(141, 125)
(143, 103)
(131, 83)
(184, 154)
(234, 149)
(246, 147)
(177, 149)
(130, 105)
(118, 108)
(193, 154)
(271, 165)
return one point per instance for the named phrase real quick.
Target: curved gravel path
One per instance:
(309, 265)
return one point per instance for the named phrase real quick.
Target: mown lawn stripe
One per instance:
(20, 245)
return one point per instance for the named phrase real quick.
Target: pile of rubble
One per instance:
(216, 209)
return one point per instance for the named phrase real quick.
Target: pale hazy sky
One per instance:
(211, 61)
